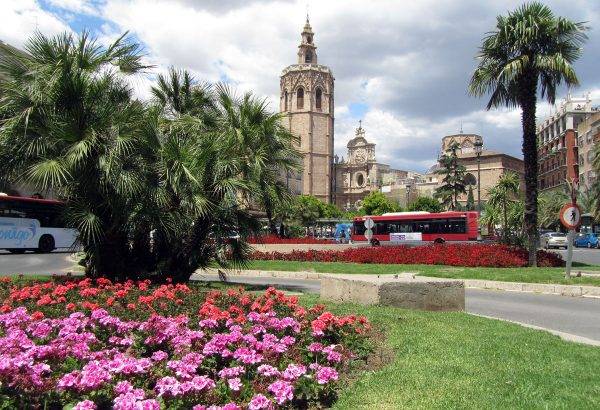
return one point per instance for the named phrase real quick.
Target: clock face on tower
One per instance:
(360, 156)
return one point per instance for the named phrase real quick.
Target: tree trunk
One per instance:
(527, 101)
(504, 223)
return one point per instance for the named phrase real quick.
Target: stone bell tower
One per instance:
(307, 102)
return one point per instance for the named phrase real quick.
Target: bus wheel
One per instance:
(46, 244)
(439, 241)
(17, 251)
(375, 242)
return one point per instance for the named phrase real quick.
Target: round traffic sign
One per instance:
(570, 216)
(368, 234)
(369, 223)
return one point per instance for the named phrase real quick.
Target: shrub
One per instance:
(487, 255)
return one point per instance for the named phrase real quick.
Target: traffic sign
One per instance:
(369, 234)
(369, 223)
(570, 216)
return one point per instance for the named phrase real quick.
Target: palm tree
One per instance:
(179, 93)
(70, 125)
(265, 146)
(490, 217)
(501, 195)
(529, 49)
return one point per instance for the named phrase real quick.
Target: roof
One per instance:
(28, 199)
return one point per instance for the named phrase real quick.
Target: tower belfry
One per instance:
(307, 100)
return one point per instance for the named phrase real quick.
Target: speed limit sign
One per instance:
(570, 216)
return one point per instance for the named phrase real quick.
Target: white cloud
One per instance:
(19, 18)
(77, 6)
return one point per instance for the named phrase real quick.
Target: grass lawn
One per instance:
(530, 275)
(455, 360)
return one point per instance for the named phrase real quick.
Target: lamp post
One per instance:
(407, 196)
(478, 149)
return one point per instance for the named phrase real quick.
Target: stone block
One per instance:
(419, 293)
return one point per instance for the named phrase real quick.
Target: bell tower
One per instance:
(307, 100)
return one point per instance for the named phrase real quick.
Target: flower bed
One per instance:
(97, 344)
(274, 239)
(484, 255)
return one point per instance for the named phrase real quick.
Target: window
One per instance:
(590, 156)
(308, 39)
(300, 98)
(308, 56)
(360, 180)
(318, 98)
(470, 179)
(285, 103)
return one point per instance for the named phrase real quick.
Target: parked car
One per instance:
(553, 240)
(586, 240)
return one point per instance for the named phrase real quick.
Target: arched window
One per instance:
(470, 179)
(300, 98)
(285, 102)
(308, 56)
(318, 98)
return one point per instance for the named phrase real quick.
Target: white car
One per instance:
(554, 240)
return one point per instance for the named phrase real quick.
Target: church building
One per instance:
(307, 101)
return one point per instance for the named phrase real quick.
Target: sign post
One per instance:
(369, 224)
(570, 217)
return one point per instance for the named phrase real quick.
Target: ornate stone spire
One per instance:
(307, 53)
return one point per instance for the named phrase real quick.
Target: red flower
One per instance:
(37, 315)
(71, 306)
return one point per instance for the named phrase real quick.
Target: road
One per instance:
(583, 255)
(36, 263)
(577, 316)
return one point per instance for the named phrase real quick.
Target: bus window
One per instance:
(359, 228)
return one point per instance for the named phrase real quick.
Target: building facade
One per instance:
(558, 156)
(307, 100)
(360, 174)
(492, 165)
(588, 136)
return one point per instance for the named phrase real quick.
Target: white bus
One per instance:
(31, 224)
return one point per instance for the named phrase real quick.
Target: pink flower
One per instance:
(85, 405)
(235, 384)
(159, 355)
(293, 372)
(267, 370)
(326, 374)
(259, 402)
(315, 347)
(282, 390)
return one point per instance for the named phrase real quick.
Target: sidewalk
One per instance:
(563, 290)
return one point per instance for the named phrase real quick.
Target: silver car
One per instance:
(553, 240)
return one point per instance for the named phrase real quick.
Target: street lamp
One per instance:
(407, 196)
(478, 149)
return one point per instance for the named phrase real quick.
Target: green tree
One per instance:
(266, 147)
(307, 209)
(470, 199)
(502, 195)
(69, 122)
(529, 49)
(377, 203)
(425, 203)
(453, 178)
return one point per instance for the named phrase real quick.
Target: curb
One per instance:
(551, 289)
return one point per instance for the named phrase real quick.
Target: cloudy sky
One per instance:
(401, 67)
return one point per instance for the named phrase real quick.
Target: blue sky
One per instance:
(400, 67)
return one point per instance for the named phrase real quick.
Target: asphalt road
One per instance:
(36, 263)
(577, 316)
(583, 255)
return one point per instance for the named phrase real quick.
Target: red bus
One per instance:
(415, 227)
